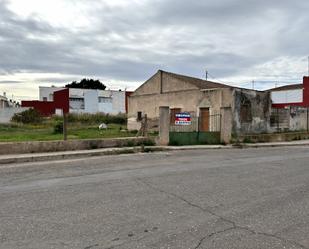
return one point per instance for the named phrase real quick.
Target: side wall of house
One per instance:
(251, 112)
(6, 114)
(149, 104)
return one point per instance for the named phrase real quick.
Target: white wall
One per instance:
(91, 101)
(119, 102)
(7, 113)
(48, 92)
(289, 96)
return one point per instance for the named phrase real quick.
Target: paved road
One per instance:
(253, 198)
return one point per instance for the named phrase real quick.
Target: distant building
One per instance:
(4, 103)
(291, 95)
(8, 109)
(80, 101)
(58, 105)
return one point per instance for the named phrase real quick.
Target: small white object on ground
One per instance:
(102, 126)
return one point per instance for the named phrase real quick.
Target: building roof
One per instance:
(287, 87)
(199, 83)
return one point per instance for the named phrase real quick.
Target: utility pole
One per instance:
(207, 74)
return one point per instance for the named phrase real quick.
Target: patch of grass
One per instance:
(45, 132)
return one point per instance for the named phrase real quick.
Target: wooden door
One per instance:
(173, 113)
(204, 119)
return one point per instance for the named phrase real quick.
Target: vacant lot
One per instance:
(45, 132)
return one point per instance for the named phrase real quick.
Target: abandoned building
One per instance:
(249, 110)
(290, 107)
(291, 95)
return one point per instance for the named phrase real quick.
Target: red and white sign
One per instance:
(183, 119)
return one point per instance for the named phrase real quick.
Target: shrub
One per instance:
(58, 127)
(30, 116)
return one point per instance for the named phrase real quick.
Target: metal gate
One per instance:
(193, 130)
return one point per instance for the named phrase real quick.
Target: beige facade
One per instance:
(189, 94)
(175, 91)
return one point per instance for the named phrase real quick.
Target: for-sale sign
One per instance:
(183, 118)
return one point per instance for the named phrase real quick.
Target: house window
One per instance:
(105, 100)
(77, 103)
(173, 113)
(139, 116)
(245, 113)
(77, 99)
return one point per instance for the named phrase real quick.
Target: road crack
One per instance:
(92, 246)
(222, 218)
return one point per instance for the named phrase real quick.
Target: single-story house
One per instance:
(250, 109)
(290, 107)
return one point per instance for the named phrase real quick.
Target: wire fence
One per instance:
(289, 119)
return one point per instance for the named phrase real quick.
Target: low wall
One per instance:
(7, 113)
(71, 145)
(194, 138)
(275, 137)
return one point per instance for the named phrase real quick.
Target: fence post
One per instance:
(278, 128)
(65, 126)
(226, 125)
(164, 125)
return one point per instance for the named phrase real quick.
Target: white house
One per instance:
(4, 101)
(89, 100)
(8, 108)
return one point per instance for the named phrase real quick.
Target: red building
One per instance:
(291, 95)
(48, 108)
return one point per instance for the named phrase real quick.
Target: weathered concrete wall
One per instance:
(226, 124)
(133, 124)
(52, 146)
(215, 99)
(149, 104)
(151, 86)
(251, 112)
(6, 114)
(164, 125)
(299, 119)
(277, 137)
(172, 84)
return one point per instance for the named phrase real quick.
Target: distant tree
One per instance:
(87, 84)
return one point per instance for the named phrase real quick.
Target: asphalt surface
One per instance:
(250, 198)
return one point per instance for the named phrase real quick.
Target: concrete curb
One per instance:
(276, 144)
(53, 156)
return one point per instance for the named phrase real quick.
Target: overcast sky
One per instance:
(124, 42)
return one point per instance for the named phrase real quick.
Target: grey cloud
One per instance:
(130, 43)
(9, 81)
